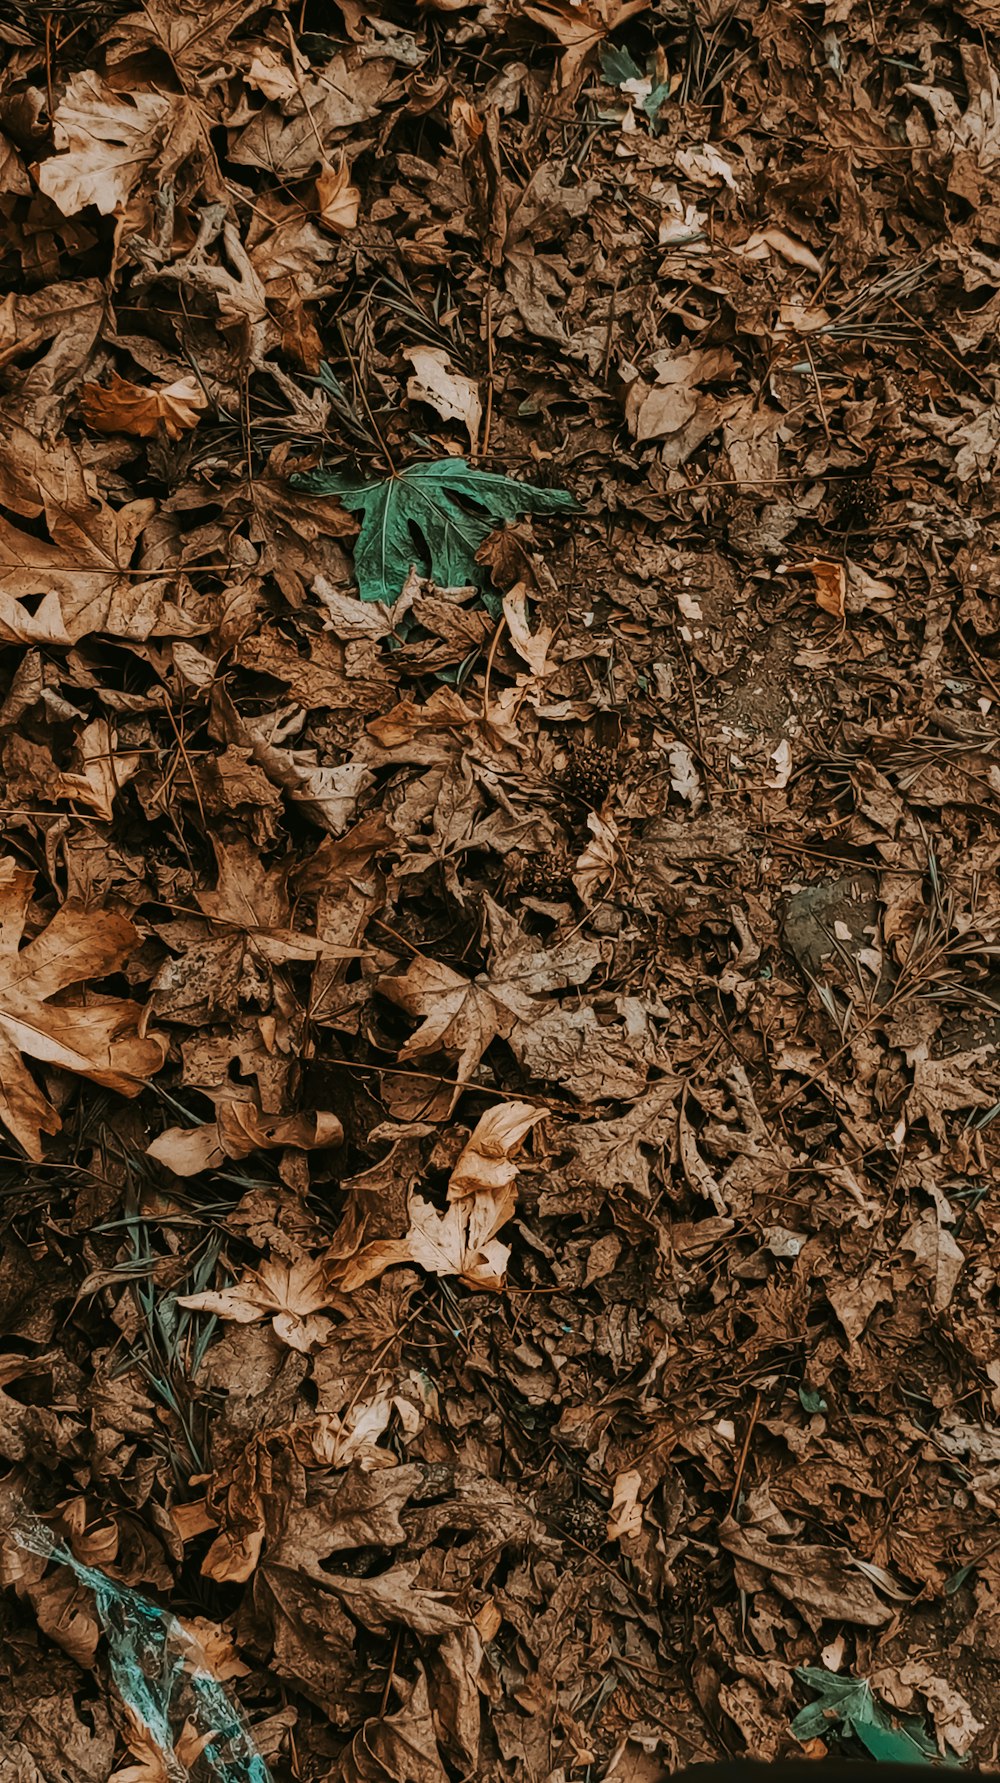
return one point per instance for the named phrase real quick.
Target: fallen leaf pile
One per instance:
(499, 901)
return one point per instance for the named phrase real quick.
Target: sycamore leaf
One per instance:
(97, 1038)
(291, 1295)
(851, 1703)
(124, 407)
(433, 515)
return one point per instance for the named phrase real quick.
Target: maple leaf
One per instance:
(461, 1241)
(852, 1703)
(448, 506)
(124, 407)
(461, 1016)
(291, 1295)
(108, 138)
(81, 570)
(580, 25)
(98, 1038)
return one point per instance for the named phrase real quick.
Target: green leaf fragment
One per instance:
(850, 1705)
(434, 516)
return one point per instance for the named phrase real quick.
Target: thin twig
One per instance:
(744, 1453)
(359, 387)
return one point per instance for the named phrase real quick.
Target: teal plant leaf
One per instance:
(850, 1705)
(433, 515)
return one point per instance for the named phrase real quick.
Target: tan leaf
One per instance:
(124, 407)
(289, 1294)
(625, 1515)
(239, 1130)
(98, 1038)
(108, 139)
(436, 382)
(485, 1163)
(831, 582)
(103, 771)
(339, 201)
(580, 25)
(461, 1242)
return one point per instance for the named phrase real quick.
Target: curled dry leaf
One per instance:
(97, 1038)
(240, 1129)
(486, 1163)
(124, 407)
(338, 199)
(830, 579)
(291, 1295)
(435, 381)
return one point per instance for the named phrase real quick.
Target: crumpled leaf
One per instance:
(124, 407)
(291, 1295)
(96, 1037)
(819, 1581)
(240, 1129)
(486, 1163)
(435, 381)
(451, 507)
(338, 199)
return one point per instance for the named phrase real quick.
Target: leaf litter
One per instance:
(499, 601)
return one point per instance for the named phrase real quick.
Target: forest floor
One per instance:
(499, 903)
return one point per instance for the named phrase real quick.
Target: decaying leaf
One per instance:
(94, 1037)
(291, 1295)
(450, 392)
(124, 407)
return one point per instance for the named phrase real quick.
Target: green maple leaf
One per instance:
(851, 1704)
(433, 515)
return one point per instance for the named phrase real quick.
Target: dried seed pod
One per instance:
(586, 1522)
(546, 875)
(591, 772)
(860, 502)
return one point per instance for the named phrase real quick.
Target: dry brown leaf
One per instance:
(291, 1295)
(485, 1163)
(124, 407)
(580, 25)
(436, 382)
(461, 1241)
(106, 140)
(103, 771)
(339, 201)
(97, 1038)
(830, 578)
(82, 571)
(240, 1129)
(819, 1581)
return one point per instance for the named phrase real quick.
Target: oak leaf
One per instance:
(98, 1038)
